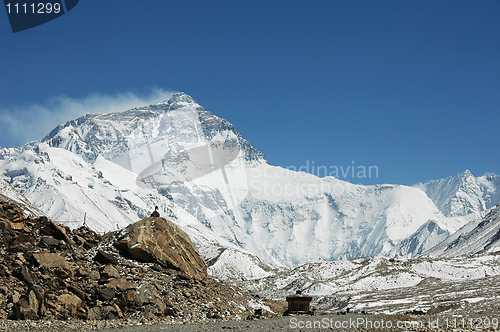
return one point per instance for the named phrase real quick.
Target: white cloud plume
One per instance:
(24, 123)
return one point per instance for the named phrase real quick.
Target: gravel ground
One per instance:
(349, 322)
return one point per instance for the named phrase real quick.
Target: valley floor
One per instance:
(348, 322)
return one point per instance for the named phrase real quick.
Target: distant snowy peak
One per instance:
(490, 185)
(480, 236)
(463, 194)
(109, 134)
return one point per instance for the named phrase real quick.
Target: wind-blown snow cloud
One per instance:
(24, 123)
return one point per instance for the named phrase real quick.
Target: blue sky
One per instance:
(412, 87)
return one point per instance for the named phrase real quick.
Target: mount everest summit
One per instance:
(109, 170)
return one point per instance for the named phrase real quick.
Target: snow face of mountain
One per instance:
(464, 194)
(235, 265)
(480, 236)
(427, 236)
(112, 169)
(104, 195)
(327, 218)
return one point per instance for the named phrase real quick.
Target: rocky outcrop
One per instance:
(50, 272)
(157, 240)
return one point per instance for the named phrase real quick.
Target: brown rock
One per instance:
(21, 247)
(121, 284)
(85, 237)
(15, 297)
(50, 260)
(129, 297)
(117, 310)
(24, 274)
(83, 272)
(110, 312)
(62, 273)
(25, 310)
(109, 272)
(77, 291)
(32, 305)
(106, 294)
(4, 271)
(104, 257)
(33, 301)
(69, 302)
(21, 243)
(94, 275)
(50, 242)
(121, 287)
(94, 313)
(48, 227)
(13, 215)
(20, 225)
(157, 240)
(148, 299)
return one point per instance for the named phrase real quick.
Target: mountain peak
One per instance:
(180, 100)
(467, 178)
(467, 173)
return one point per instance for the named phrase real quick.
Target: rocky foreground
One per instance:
(147, 272)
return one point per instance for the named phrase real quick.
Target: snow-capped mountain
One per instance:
(339, 221)
(479, 236)
(464, 194)
(110, 170)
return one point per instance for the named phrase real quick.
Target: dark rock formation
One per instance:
(155, 213)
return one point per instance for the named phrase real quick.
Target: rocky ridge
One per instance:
(53, 273)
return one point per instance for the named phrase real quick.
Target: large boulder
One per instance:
(157, 240)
